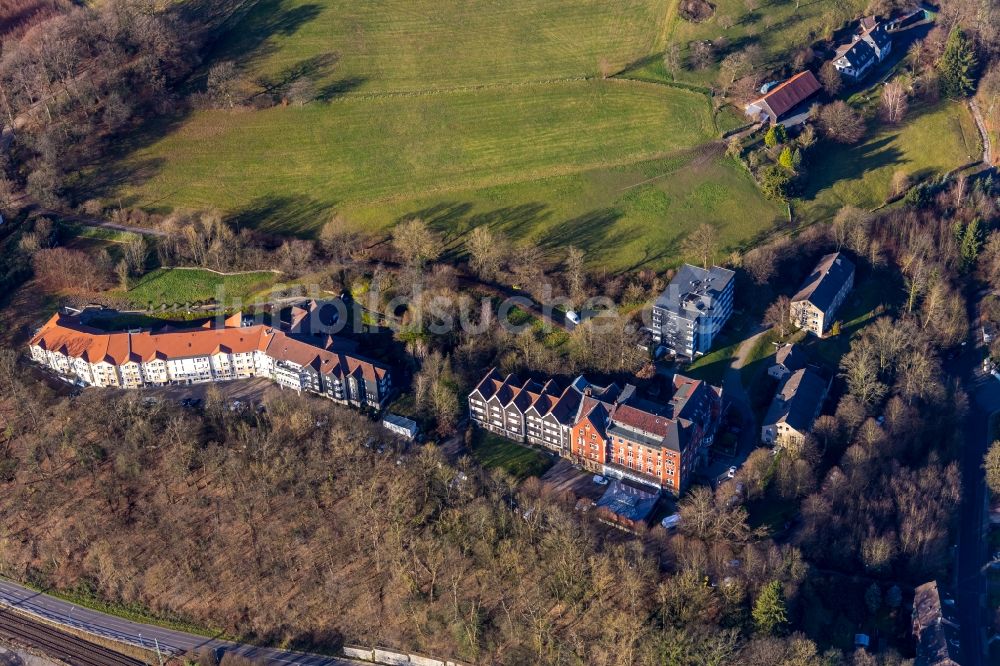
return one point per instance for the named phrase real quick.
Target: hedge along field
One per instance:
(181, 285)
(431, 103)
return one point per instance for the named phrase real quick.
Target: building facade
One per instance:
(871, 46)
(526, 411)
(606, 429)
(815, 305)
(693, 309)
(794, 409)
(91, 357)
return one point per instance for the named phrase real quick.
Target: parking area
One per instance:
(565, 477)
(249, 391)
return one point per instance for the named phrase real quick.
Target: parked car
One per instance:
(731, 472)
(600, 480)
(671, 521)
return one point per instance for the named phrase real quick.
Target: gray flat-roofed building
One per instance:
(400, 425)
(693, 309)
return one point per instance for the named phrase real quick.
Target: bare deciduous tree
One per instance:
(487, 251)
(575, 275)
(779, 315)
(416, 242)
(893, 103)
(702, 243)
(841, 123)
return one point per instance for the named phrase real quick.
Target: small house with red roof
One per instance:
(783, 99)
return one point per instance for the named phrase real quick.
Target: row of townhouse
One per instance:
(91, 357)
(608, 429)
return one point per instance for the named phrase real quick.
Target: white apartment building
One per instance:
(90, 357)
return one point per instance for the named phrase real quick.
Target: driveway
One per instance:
(736, 399)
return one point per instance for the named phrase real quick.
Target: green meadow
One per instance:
(466, 113)
(181, 285)
(932, 141)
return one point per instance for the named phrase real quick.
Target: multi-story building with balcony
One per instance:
(692, 310)
(91, 357)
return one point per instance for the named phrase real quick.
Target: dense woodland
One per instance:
(292, 526)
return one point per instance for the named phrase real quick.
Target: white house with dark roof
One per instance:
(815, 305)
(794, 408)
(866, 49)
(527, 411)
(787, 360)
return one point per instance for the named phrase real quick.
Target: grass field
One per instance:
(401, 45)
(385, 147)
(492, 451)
(173, 285)
(932, 141)
(470, 113)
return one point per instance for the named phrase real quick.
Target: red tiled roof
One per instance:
(640, 419)
(70, 338)
(790, 93)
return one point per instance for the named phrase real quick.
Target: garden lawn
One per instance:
(779, 27)
(873, 295)
(492, 451)
(175, 285)
(931, 141)
(712, 366)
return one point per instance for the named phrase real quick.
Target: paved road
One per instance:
(145, 635)
(970, 579)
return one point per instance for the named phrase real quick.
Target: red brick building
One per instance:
(651, 443)
(606, 429)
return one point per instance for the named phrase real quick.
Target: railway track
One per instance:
(60, 645)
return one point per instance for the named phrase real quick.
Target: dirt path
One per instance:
(740, 358)
(39, 211)
(985, 135)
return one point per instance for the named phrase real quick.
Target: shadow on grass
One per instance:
(876, 294)
(296, 216)
(238, 31)
(338, 88)
(314, 68)
(841, 161)
(247, 32)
